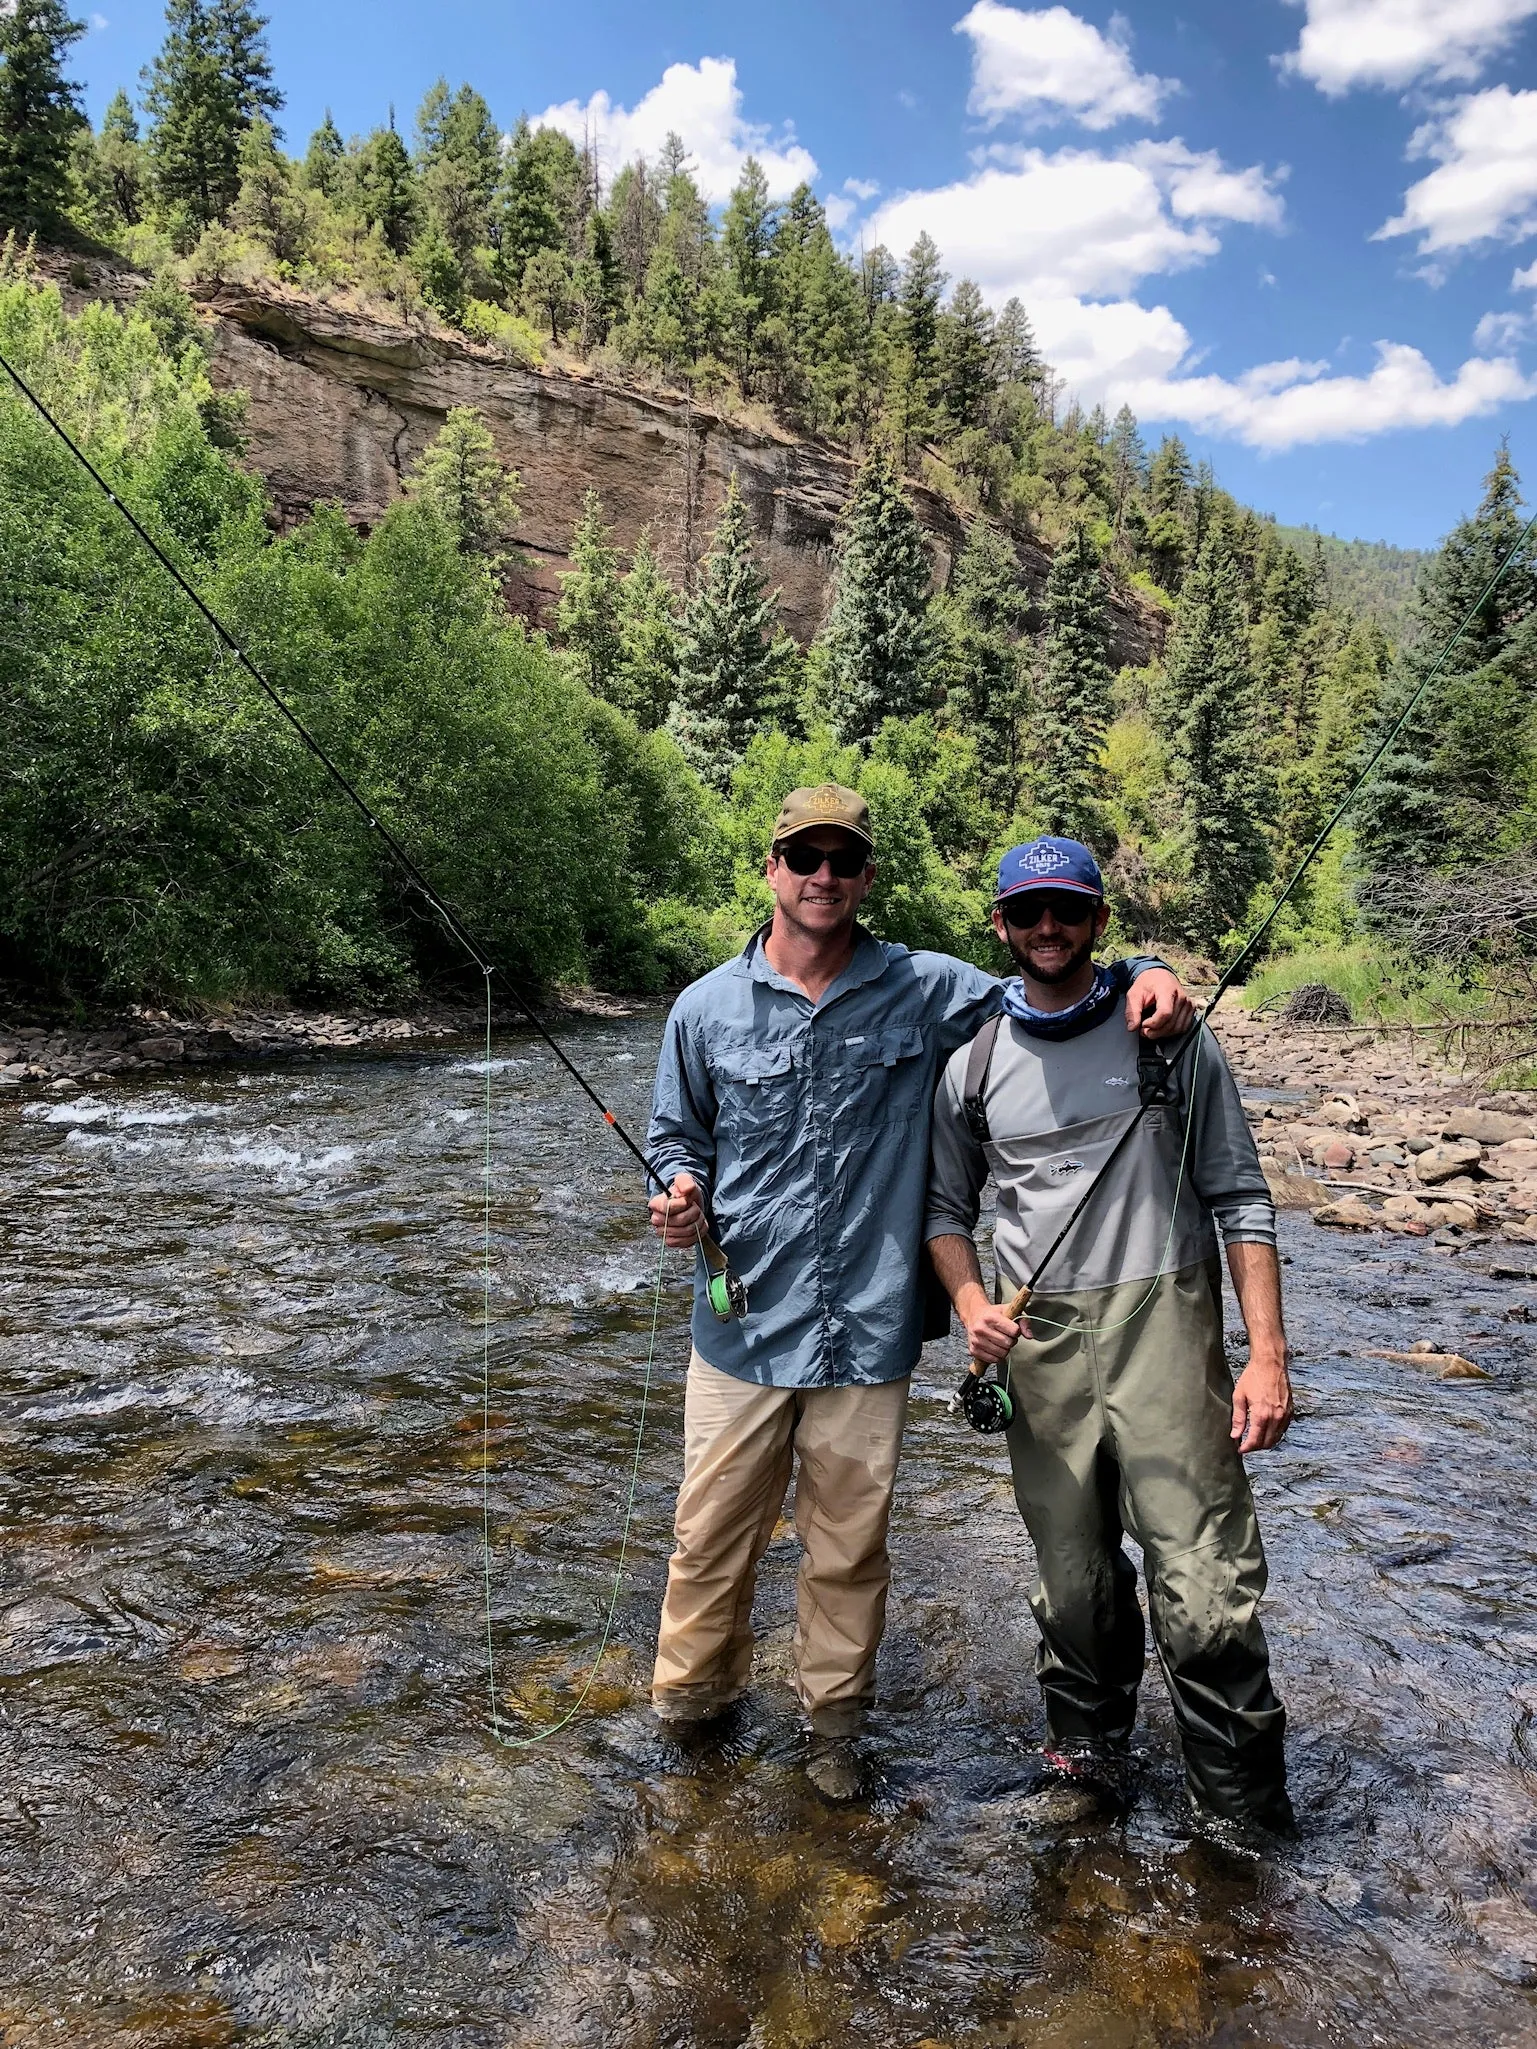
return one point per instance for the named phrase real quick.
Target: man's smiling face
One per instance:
(822, 902)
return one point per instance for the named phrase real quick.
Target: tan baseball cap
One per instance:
(827, 804)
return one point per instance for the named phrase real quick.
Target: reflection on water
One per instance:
(246, 1790)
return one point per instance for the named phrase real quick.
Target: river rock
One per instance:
(1338, 1156)
(1344, 1114)
(166, 1049)
(1443, 1162)
(1387, 1156)
(1296, 1191)
(1488, 1127)
(1416, 1142)
(1350, 1215)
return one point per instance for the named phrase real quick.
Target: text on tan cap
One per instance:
(826, 804)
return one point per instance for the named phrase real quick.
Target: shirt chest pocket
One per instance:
(755, 1094)
(880, 1076)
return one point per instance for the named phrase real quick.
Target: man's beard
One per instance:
(1050, 978)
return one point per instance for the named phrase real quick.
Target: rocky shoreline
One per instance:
(1370, 1133)
(61, 1057)
(1357, 1126)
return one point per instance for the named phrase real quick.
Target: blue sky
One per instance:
(1290, 230)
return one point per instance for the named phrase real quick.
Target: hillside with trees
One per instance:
(597, 798)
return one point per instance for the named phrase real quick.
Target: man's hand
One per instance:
(1262, 1404)
(679, 1217)
(1156, 1005)
(990, 1335)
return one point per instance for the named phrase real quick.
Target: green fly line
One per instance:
(507, 1741)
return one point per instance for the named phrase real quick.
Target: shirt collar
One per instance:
(869, 961)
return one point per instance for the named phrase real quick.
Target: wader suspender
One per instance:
(979, 1063)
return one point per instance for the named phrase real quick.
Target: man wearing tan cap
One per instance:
(791, 1115)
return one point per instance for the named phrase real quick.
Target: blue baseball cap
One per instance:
(1049, 863)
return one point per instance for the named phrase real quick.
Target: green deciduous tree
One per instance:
(880, 642)
(39, 114)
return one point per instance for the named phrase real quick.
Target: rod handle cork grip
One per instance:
(1014, 1308)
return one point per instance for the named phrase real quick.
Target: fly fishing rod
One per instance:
(727, 1295)
(985, 1402)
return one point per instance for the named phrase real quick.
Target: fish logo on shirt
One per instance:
(1062, 1168)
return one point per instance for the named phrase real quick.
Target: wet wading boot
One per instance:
(1082, 1783)
(835, 1768)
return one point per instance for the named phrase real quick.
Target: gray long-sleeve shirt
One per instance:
(1055, 1108)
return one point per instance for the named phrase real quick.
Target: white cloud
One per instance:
(1293, 405)
(1499, 333)
(1525, 280)
(839, 211)
(1201, 187)
(701, 102)
(100, 21)
(861, 188)
(1485, 185)
(1078, 223)
(1347, 43)
(1048, 63)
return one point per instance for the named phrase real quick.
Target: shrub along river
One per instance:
(247, 1792)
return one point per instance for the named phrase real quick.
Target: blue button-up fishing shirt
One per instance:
(807, 1127)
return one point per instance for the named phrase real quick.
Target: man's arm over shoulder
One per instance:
(1224, 1161)
(681, 1135)
(957, 1163)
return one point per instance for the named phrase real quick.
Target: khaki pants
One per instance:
(739, 1441)
(1124, 1426)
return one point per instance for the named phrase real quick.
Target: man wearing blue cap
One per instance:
(791, 1107)
(1125, 1416)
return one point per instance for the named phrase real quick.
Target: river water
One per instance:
(247, 1790)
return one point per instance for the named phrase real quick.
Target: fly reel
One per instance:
(987, 1404)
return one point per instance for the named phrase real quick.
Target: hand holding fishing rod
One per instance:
(991, 1336)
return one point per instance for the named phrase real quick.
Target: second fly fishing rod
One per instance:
(985, 1402)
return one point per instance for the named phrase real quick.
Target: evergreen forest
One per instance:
(597, 798)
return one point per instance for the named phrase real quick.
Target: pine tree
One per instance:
(966, 352)
(648, 638)
(459, 164)
(324, 159)
(923, 286)
(1205, 709)
(39, 114)
(1071, 707)
(747, 239)
(1018, 359)
(986, 611)
(385, 187)
(120, 153)
(1128, 463)
(1444, 795)
(528, 211)
(731, 659)
(879, 640)
(268, 205)
(464, 480)
(588, 613)
(209, 82)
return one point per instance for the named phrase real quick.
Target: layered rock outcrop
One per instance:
(342, 402)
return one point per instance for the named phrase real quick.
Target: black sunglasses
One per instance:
(1065, 905)
(846, 861)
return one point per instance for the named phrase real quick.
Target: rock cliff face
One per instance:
(341, 404)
